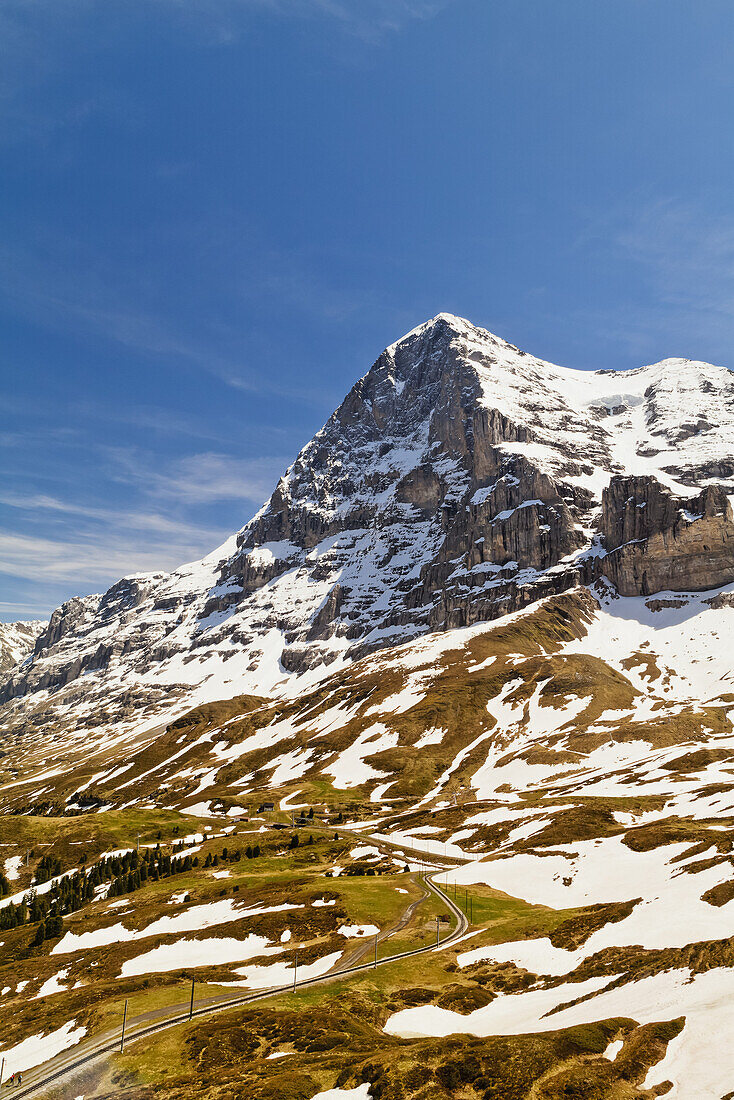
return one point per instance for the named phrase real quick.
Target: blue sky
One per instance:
(216, 213)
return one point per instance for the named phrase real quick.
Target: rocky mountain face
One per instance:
(656, 541)
(17, 641)
(459, 480)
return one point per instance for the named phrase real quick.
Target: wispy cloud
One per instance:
(97, 561)
(687, 251)
(71, 293)
(38, 36)
(119, 518)
(149, 419)
(369, 20)
(13, 612)
(201, 478)
(64, 287)
(87, 544)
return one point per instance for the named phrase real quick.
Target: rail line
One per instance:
(110, 1042)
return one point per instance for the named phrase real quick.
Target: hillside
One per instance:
(584, 800)
(483, 628)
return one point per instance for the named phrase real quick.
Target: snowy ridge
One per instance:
(17, 641)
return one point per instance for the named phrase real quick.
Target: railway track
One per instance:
(67, 1063)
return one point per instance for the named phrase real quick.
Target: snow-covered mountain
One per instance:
(17, 641)
(459, 480)
(486, 617)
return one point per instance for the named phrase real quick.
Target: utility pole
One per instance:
(438, 932)
(295, 968)
(375, 950)
(191, 1006)
(2, 1071)
(122, 1037)
(138, 841)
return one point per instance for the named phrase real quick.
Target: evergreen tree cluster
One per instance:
(359, 869)
(49, 929)
(47, 867)
(124, 873)
(295, 841)
(228, 856)
(30, 909)
(12, 915)
(134, 869)
(181, 845)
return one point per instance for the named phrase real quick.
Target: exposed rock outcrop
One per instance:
(656, 541)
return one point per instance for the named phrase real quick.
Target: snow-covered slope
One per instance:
(585, 693)
(17, 641)
(576, 755)
(459, 480)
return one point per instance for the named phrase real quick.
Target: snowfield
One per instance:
(39, 1048)
(187, 953)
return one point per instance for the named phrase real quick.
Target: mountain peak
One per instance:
(458, 325)
(460, 479)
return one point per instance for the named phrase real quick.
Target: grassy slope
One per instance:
(335, 1033)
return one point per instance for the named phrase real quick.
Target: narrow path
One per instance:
(361, 949)
(146, 1024)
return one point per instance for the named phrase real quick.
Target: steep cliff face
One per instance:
(460, 479)
(413, 464)
(656, 541)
